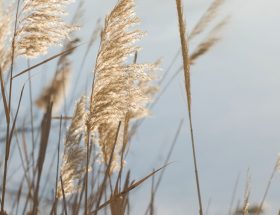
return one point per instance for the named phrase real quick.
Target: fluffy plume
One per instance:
(149, 89)
(108, 146)
(117, 90)
(73, 164)
(41, 26)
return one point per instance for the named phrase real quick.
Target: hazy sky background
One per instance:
(236, 105)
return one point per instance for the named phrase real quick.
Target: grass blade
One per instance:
(186, 63)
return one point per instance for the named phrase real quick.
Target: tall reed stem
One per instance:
(186, 62)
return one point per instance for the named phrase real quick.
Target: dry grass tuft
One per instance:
(41, 26)
(117, 88)
(73, 164)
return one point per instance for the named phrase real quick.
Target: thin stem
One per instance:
(53, 211)
(195, 166)
(63, 194)
(8, 122)
(32, 122)
(13, 56)
(86, 176)
(186, 62)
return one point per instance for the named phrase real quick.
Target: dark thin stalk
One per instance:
(107, 172)
(169, 67)
(152, 201)
(127, 190)
(86, 176)
(32, 122)
(167, 159)
(4, 98)
(9, 108)
(65, 52)
(13, 56)
(53, 211)
(45, 133)
(7, 152)
(64, 200)
(17, 201)
(78, 198)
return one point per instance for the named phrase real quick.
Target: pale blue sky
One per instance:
(236, 105)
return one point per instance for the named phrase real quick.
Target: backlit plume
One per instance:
(73, 164)
(117, 89)
(41, 26)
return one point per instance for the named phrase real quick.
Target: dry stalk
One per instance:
(186, 63)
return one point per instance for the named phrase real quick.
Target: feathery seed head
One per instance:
(41, 26)
(73, 165)
(115, 89)
(118, 85)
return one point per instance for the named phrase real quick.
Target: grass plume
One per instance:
(116, 89)
(41, 26)
(73, 162)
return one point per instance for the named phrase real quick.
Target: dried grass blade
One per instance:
(64, 200)
(186, 63)
(45, 132)
(53, 210)
(167, 159)
(8, 144)
(128, 189)
(14, 122)
(65, 52)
